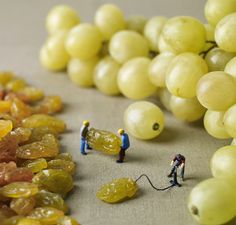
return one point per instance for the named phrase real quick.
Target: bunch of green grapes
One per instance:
(189, 65)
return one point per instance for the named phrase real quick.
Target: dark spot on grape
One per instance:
(155, 126)
(194, 211)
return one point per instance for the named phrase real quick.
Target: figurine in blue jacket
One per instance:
(124, 145)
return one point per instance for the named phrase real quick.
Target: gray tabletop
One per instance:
(22, 32)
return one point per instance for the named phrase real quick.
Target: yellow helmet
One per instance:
(86, 123)
(121, 131)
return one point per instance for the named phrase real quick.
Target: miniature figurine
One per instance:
(178, 161)
(175, 182)
(124, 145)
(83, 133)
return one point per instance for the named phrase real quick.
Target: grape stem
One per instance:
(204, 53)
(150, 182)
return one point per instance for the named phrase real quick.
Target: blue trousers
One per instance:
(83, 144)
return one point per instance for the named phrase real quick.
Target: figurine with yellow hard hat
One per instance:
(83, 132)
(124, 145)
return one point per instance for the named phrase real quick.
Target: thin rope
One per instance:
(150, 182)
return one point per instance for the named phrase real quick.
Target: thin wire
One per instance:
(150, 182)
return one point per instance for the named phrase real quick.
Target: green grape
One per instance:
(144, 120)
(225, 33)
(126, 45)
(213, 123)
(84, 41)
(210, 37)
(230, 67)
(163, 46)
(136, 23)
(152, 31)
(61, 17)
(158, 67)
(81, 71)
(133, 79)
(109, 19)
(215, 91)
(53, 55)
(233, 142)
(213, 201)
(223, 162)
(184, 34)
(187, 109)
(210, 32)
(165, 96)
(217, 59)
(215, 10)
(105, 76)
(230, 121)
(183, 73)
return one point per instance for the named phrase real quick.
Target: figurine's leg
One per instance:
(172, 171)
(182, 172)
(175, 181)
(82, 146)
(121, 156)
(87, 146)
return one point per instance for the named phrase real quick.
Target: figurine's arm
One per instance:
(172, 162)
(182, 165)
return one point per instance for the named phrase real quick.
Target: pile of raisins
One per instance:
(34, 176)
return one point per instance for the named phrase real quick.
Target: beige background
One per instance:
(22, 33)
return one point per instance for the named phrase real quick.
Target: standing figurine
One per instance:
(178, 161)
(124, 145)
(83, 132)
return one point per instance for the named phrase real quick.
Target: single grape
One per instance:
(46, 215)
(215, 10)
(215, 91)
(152, 31)
(230, 67)
(105, 76)
(81, 71)
(144, 120)
(184, 34)
(165, 96)
(213, 201)
(61, 17)
(126, 45)
(230, 121)
(158, 67)
(183, 73)
(225, 33)
(109, 19)
(223, 162)
(136, 23)
(19, 190)
(213, 123)
(5, 127)
(133, 80)
(117, 190)
(217, 59)
(187, 109)
(53, 55)
(84, 41)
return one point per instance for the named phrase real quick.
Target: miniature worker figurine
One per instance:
(178, 161)
(83, 142)
(124, 145)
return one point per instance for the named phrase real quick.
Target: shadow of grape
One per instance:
(169, 134)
